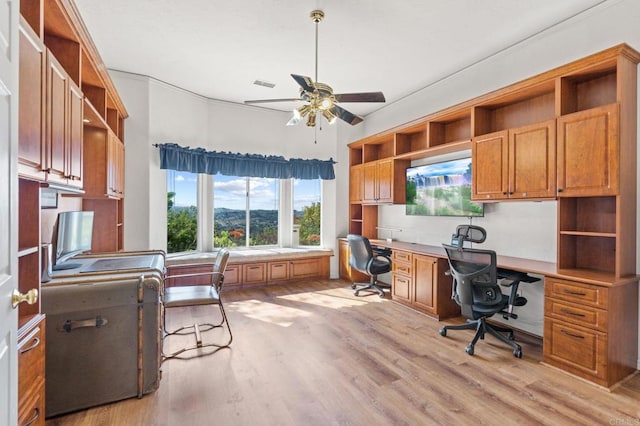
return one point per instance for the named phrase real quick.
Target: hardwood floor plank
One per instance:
(314, 354)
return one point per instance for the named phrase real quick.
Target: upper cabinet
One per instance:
(63, 86)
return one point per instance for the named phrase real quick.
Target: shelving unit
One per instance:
(568, 134)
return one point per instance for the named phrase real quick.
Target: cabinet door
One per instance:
(588, 156)
(278, 271)
(254, 274)
(423, 282)
(401, 288)
(75, 115)
(490, 172)
(32, 105)
(306, 268)
(370, 183)
(56, 124)
(532, 161)
(355, 184)
(385, 181)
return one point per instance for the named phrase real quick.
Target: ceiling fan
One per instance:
(320, 97)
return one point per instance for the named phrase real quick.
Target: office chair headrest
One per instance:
(471, 233)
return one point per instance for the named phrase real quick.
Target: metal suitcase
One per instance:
(104, 333)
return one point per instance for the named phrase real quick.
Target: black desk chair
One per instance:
(364, 259)
(476, 288)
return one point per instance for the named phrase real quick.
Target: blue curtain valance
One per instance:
(199, 160)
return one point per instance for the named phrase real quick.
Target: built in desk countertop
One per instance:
(531, 266)
(249, 255)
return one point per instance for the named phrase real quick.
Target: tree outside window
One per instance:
(306, 210)
(182, 211)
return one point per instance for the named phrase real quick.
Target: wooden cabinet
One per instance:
(356, 180)
(254, 274)
(233, 276)
(31, 374)
(103, 155)
(383, 182)
(419, 281)
(196, 268)
(316, 267)
(278, 271)
(588, 140)
(32, 104)
(401, 277)
(63, 129)
(591, 330)
(518, 163)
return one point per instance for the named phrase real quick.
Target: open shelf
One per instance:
(451, 128)
(411, 140)
(587, 216)
(586, 91)
(378, 150)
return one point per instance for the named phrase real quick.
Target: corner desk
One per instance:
(590, 318)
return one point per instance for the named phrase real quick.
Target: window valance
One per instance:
(199, 160)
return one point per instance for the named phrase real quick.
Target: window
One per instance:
(182, 211)
(306, 195)
(245, 211)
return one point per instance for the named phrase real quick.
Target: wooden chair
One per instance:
(193, 295)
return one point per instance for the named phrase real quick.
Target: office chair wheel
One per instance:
(353, 286)
(517, 353)
(443, 332)
(469, 349)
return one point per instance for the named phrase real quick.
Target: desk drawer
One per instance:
(571, 291)
(401, 256)
(401, 288)
(575, 349)
(402, 268)
(580, 315)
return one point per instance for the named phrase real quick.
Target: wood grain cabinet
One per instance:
(591, 330)
(518, 163)
(346, 272)
(419, 281)
(31, 375)
(588, 140)
(104, 156)
(64, 126)
(356, 184)
(254, 274)
(278, 271)
(31, 160)
(383, 182)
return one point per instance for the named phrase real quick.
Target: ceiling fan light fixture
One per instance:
(303, 110)
(325, 104)
(311, 121)
(329, 116)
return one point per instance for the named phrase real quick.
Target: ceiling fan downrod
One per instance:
(316, 16)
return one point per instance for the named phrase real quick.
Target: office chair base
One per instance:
(376, 287)
(482, 328)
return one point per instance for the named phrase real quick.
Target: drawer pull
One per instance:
(36, 415)
(568, 312)
(254, 267)
(36, 342)
(576, 336)
(574, 293)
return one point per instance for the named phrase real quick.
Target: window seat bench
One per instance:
(253, 267)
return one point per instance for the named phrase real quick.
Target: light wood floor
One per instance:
(313, 354)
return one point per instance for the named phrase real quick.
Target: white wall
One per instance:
(523, 229)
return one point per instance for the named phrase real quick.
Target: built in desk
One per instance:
(590, 317)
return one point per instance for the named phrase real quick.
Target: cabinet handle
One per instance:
(576, 336)
(568, 312)
(36, 342)
(36, 415)
(254, 267)
(560, 189)
(573, 293)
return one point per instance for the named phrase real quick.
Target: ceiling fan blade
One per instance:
(305, 82)
(345, 115)
(260, 101)
(360, 97)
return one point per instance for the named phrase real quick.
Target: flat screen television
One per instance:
(441, 189)
(72, 235)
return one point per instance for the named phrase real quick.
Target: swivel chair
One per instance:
(477, 291)
(192, 295)
(364, 259)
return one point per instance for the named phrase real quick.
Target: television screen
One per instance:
(72, 235)
(441, 189)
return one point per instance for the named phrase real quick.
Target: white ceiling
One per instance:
(218, 48)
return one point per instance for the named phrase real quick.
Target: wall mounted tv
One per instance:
(441, 189)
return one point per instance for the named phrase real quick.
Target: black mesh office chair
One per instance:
(476, 288)
(364, 259)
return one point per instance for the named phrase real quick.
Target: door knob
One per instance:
(30, 297)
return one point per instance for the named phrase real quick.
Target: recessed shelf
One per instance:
(589, 234)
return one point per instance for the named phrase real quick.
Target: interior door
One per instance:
(9, 14)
